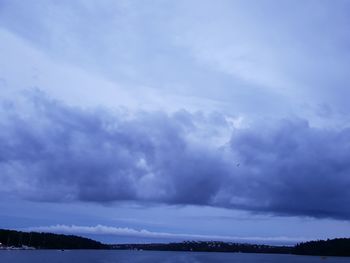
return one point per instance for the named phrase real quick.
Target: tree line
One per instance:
(329, 247)
(11, 238)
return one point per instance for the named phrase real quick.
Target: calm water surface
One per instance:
(108, 256)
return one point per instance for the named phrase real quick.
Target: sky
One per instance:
(131, 121)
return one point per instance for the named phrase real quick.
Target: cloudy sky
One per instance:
(131, 121)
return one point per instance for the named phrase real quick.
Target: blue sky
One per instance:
(127, 121)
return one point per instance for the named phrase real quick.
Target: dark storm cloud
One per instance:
(53, 152)
(294, 169)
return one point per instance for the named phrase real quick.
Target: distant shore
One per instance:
(18, 240)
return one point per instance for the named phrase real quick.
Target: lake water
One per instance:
(117, 256)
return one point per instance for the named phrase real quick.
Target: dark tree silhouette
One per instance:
(47, 240)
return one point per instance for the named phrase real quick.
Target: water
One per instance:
(117, 256)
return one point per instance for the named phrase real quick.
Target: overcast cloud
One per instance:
(227, 106)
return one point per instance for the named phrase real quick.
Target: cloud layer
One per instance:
(130, 232)
(292, 168)
(53, 152)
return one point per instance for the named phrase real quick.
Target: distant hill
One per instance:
(47, 240)
(330, 247)
(208, 246)
(333, 247)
